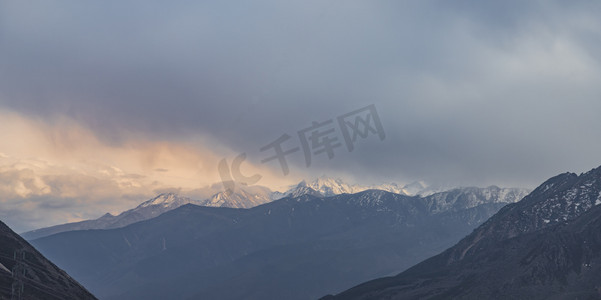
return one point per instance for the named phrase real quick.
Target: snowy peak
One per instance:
(330, 186)
(106, 216)
(544, 246)
(566, 197)
(558, 200)
(303, 189)
(327, 187)
(552, 185)
(456, 200)
(241, 197)
(166, 200)
(320, 187)
(468, 197)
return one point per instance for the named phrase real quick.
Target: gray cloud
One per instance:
(469, 92)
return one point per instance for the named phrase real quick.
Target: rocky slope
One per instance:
(547, 246)
(26, 274)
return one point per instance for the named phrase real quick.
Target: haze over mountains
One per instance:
(321, 240)
(547, 246)
(241, 198)
(298, 247)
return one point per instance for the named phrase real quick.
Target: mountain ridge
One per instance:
(341, 240)
(27, 274)
(247, 197)
(546, 245)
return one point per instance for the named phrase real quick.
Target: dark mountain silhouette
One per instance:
(26, 274)
(240, 198)
(293, 248)
(547, 246)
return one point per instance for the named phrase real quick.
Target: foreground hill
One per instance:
(547, 246)
(26, 274)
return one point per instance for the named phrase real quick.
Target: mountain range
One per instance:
(546, 246)
(326, 187)
(242, 197)
(297, 247)
(325, 236)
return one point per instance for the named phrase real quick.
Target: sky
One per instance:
(106, 104)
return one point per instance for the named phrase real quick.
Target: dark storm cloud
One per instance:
(468, 92)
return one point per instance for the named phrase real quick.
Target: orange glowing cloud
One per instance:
(59, 171)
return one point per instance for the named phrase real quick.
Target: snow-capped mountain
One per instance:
(545, 246)
(439, 198)
(300, 190)
(146, 210)
(166, 200)
(326, 187)
(307, 224)
(467, 197)
(242, 197)
(200, 251)
(251, 196)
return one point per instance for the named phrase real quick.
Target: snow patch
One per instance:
(2, 267)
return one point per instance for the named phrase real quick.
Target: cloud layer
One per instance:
(469, 93)
(61, 172)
